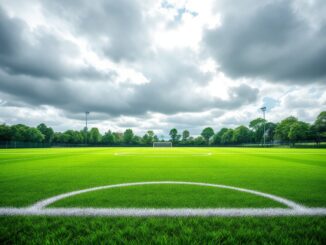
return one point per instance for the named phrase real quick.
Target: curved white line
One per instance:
(43, 203)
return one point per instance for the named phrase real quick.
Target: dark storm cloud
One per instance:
(269, 40)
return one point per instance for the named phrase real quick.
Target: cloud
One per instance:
(32, 53)
(159, 64)
(118, 29)
(270, 40)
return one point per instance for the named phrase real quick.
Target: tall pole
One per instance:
(264, 110)
(86, 115)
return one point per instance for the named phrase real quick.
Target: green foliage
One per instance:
(175, 137)
(149, 138)
(47, 132)
(118, 138)
(185, 136)
(207, 133)
(34, 135)
(241, 135)
(254, 134)
(270, 131)
(199, 140)
(227, 137)
(218, 136)
(94, 136)
(19, 132)
(5, 132)
(283, 128)
(320, 122)
(128, 136)
(298, 131)
(108, 138)
(257, 127)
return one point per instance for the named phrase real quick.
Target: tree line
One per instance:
(288, 131)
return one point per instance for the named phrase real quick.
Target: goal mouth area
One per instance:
(162, 144)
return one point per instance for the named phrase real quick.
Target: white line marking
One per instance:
(39, 208)
(43, 203)
(168, 212)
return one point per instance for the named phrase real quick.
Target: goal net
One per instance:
(162, 144)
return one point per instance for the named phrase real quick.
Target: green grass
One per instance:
(167, 196)
(77, 230)
(29, 175)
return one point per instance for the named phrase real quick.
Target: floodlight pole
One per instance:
(263, 109)
(86, 115)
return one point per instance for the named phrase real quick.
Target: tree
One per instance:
(298, 131)
(227, 136)
(257, 126)
(319, 127)
(94, 136)
(282, 129)
(270, 131)
(47, 132)
(136, 140)
(185, 136)
(128, 135)
(5, 132)
(207, 133)
(19, 132)
(34, 135)
(175, 137)
(320, 122)
(108, 138)
(241, 135)
(199, 140)
(72, 137)
(118, 137)
(217, 137)
(149, 138)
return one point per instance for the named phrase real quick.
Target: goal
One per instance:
(162, 144)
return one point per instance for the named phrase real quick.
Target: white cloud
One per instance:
(145, 65)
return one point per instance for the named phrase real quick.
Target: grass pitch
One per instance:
(30, 175)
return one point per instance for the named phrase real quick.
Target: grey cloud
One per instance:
(269, 40)
(39, 53)
(118, 29)
(18, 55)
(174, 75)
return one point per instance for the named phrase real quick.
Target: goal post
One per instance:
(162, 144)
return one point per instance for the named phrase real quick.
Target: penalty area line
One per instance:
(163, 212)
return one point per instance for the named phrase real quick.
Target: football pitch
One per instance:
(163, 195)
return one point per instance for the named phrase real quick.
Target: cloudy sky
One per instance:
(158, 64)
